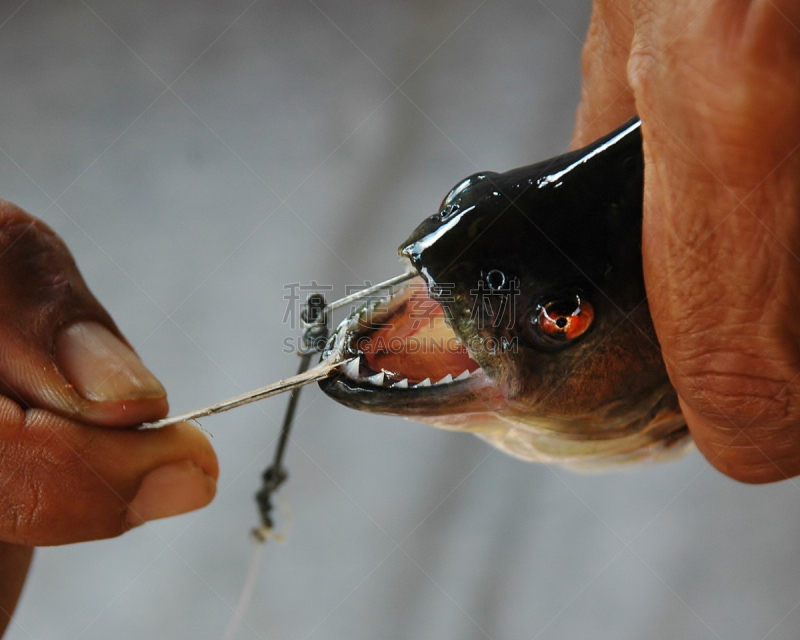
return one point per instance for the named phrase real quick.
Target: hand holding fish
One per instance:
(717, 87)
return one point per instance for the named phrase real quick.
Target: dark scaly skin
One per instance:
(567, 226)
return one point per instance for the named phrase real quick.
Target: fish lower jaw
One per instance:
(358, 371)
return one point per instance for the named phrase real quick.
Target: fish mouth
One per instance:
(409, 360)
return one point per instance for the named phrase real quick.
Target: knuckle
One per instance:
(746, 425)
(756, 456)
(739, 392)
(727, 361)
(17, 226)
(40, 280)
(32, 254)
(741, 399)
(642, 58)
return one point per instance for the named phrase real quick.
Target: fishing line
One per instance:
(304, 376)
(314, 317)
(315, 334)
(246, 594)
(314, 337)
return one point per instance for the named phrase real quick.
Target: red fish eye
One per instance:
(564, 319)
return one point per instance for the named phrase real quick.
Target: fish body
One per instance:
(528, 324)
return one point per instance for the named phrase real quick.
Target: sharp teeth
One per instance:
(446, 380)
(403, 384)
(377, 379)
(351, 369)
(464, 375)
(425, 383)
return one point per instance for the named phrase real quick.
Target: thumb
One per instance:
(60, 349)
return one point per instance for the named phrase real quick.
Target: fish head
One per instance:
(535, 277)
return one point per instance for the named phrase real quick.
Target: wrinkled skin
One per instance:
(717, 86)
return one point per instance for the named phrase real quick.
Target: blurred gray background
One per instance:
(197, 157)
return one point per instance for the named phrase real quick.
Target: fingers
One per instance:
(606, 98)
(14, 563)
(721, 233)
(60, 349)
(717, 85)
(64, 364)
(63, 481)
(62, 357)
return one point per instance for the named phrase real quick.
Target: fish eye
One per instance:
(495, 279)
(563, 319)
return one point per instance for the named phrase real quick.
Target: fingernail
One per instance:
(101, 367)
(169, 491)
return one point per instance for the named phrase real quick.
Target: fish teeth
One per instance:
(463, 375)
(377, 379)
(403, 384)
(351, 369)
(446, 380)
(425, 383)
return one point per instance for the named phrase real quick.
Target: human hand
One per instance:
(716, 84)
(69, 384)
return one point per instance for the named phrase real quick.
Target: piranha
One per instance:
(527, 323)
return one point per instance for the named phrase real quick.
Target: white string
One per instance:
(248, 589)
